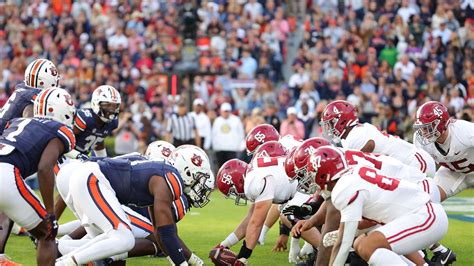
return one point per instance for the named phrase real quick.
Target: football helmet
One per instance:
(105, 103)
(270, 149)
(159, 149)
(42, 74)
(230, 180)
(432, 120)
(290, 165)
(55, 104)
(324, 165)
(337, 117)
(193, 165)
(301, 157)
(290, 141)
(260, 134)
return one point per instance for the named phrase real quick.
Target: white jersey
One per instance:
(384, 143)
(266, 179)
(289, 142)
(387, 165)
(388, 198)
(459, 156)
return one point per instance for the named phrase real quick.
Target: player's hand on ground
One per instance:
(280, 245)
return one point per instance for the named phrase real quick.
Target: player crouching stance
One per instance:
(30, 145)
(97, 191)
(410, 221)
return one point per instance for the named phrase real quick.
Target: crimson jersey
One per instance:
(25, 139)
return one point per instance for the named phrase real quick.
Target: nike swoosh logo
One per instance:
(456, 153)
(443, 262)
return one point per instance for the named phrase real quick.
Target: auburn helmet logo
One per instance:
(68, 100)
(166, 151)
(196, 160)
(54, 71)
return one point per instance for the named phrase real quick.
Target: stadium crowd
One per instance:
(386, 57)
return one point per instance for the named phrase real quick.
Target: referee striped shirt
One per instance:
(181, 127)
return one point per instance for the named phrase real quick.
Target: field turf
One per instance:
(203, 228)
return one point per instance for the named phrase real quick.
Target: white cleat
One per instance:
(306, 250)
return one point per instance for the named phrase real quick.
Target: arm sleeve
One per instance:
(169, 238)
(266, 190)
(353, 211)
(350, 229)
(80, 122)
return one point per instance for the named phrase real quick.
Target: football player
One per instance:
(40, 74)
(259, 135)
(98, 189)
(340, 123)
(264, 183)
(91, 127)
(408, 225)
(33, 145)
(451, 143)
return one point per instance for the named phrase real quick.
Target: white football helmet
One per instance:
(101, 97)
(193, 165)
(42, 74)
(159, 149)
(55, 104)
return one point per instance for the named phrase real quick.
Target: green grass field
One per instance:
(204, 228)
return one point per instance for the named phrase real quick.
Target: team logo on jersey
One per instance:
(167, 151)
(196, 160)
(260, 137)
(227, 179)
(437, 111)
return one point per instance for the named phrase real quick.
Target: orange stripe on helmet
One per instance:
(101, 203)
(69, 135)
(32, 200)
(41, 105)
(56, 169)
(33, 73)
(136, 221)
(174, 184)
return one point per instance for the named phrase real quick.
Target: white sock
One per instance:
(263, 234)
(294, 250)
(439, 248)
(68, 227)
(382, 255)
(230, 240)
(306, 249)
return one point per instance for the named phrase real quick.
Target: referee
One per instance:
(182, 128)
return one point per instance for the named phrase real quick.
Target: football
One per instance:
(222, 256)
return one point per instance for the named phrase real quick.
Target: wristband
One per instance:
(284, 230)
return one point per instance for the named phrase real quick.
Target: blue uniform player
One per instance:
(98, 189)
(30, 145)
(93, 125)
(40, 74)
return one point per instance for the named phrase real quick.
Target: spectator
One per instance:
(182, 128)
(297, 80)
(270, 115)
(406, 11)
(292, 125)
(127, 135)
(443, 32)
(253, 10)
(227, 135)
(405, 66)
(307, 118)
(248, 67)
(203, 124)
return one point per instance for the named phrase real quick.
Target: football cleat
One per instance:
(443, 258)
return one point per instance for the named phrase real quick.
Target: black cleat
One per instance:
(443, 258)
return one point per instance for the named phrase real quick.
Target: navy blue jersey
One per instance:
(24, 140)
(130, 181)
(91, 134)
(13, 108)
